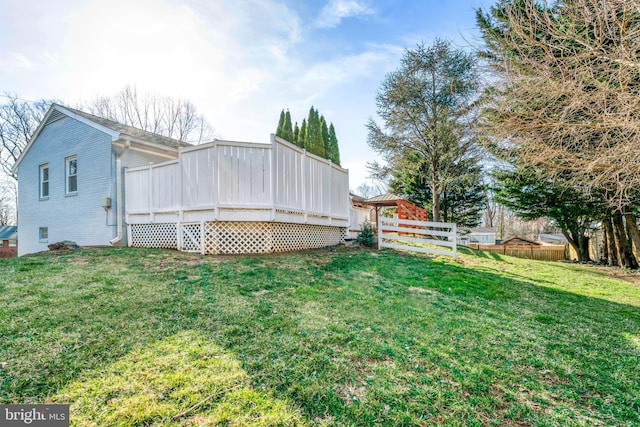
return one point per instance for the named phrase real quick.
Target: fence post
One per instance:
(379, 231)
(454, 239)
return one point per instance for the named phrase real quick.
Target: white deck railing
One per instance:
(236, 181)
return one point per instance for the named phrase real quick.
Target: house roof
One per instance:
(7, 232)
(481, 230)
(126, 130)
(114, 129)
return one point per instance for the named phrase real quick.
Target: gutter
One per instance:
(118, 238)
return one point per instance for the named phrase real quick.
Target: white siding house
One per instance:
(98, 183)
(68, 178)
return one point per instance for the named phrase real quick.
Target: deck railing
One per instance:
(236, 181)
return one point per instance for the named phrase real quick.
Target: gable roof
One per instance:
(7, 232)
(522, 240)
(126, 130)
(114, 129)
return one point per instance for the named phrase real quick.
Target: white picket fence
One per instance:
(417, 236)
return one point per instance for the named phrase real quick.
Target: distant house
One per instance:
(478, 236)
(519, 241)
(8, 241)
(552, 239)
(360, 212)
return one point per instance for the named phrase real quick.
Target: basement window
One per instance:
(43, 234)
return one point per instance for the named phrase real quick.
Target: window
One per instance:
(44, 181)
(13, 243)
(43, 234)
(71, 168)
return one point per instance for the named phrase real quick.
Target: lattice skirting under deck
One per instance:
(235, 237)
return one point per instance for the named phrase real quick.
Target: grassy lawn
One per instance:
(344, 337)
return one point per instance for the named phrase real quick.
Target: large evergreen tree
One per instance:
(428, 109)
(463, 198)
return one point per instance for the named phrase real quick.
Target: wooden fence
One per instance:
(540, 253)
(417, 236)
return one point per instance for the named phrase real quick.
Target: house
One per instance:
(478, 236)
(519, 241)
(8, 241)
(98, 182)
(70, 178)
(359, 213)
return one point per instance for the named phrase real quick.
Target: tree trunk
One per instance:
(627, 259)
(435, 201)
(632, 231)
(583, 244)
(612, 248)
(604, 252)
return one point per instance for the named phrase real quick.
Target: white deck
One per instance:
(238, 181)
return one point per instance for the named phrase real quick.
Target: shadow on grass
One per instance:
(366, 337)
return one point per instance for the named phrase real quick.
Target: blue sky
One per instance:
(239, 61)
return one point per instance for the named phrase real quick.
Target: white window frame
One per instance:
(42, 181)
(43, 234)
(68, 176)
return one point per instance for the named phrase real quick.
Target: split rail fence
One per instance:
(236, 197)
(438, 238)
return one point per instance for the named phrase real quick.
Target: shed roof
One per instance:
(384, 200)
(519, 240)
(7, 232)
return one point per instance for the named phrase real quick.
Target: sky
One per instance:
(239, 61)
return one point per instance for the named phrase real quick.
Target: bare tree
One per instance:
(173, 117)
(370, 190)
(18, 120)
(568, 92)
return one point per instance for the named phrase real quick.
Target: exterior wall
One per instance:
(79, 218)
(481, 238)
(356, 217)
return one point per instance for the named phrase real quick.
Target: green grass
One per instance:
(344, 337)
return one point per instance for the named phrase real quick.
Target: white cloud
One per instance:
(336, 10)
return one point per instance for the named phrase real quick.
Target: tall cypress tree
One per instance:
(280, 129)
(287, 129)
(296, 134)
(302, 136)
(324, 132)
(334, 150)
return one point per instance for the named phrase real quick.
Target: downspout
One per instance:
(119, 184)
